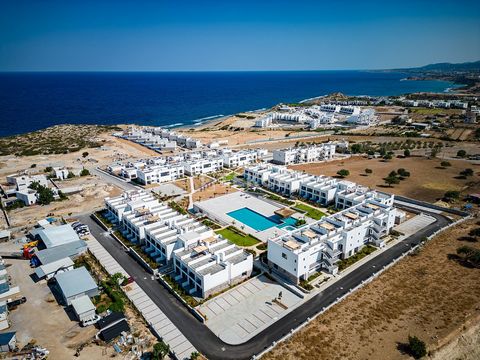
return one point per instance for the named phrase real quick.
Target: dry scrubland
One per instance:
(60, 139)
(427, 182)
(427, 295)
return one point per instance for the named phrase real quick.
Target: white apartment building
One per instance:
(264, 122)
(366, 117)
(239, 158)
(203, 166)
(320, 245)
(330, 108)
(211, 265)
(287, 182)
(297, 116)
(160, 173)
(308, 154)
(203, 262)
(349, 110)
(127, 202)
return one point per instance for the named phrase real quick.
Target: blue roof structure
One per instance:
(75, 282)
(5, 338)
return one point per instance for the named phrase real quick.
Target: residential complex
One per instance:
(366, 216)
(307, 154)
(164, 169)
(319, 246)
(202, 262)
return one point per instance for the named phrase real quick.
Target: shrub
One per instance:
(85, 154)
(461, 153)
(445, 164)
(406, 153)
(48, 169)
(84, 172)
(417, 347)
(402, 172)
(343, 173)
(451, 195)
(33, 166)
(466, 172)
(160, 350)
(470, 255)
(368, 171)
(70, 175)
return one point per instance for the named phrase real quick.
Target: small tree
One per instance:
(84, 172)
(70, 175)
(343, 173)
(390, 180)
(48, 169)
(402, 172)
(406, 153)
(451, 195)
(445, 164)
(416, 347)
(33, 166)
(85, 154)
(368, 171)
(461, 153)
(466, 172)
(160, 349)
(194, 355)
(388, 156)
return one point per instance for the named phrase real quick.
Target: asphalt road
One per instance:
(206, 341)
(124, 185)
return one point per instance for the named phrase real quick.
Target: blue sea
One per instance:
(32, 101)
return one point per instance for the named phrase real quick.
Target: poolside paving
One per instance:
(247, 309)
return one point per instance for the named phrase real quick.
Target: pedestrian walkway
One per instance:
(165, 329)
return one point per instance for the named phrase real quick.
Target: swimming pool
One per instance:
(258, 221)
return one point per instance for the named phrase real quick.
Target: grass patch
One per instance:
(210, 224)
(229, 177)
(280, 199)
(237, 237)
(366, 250)
(262, 246)
(311, 212)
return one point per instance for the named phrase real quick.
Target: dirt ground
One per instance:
(42, 320)
(213, 191)
(426, 295)
(427, 180)
(199, 181)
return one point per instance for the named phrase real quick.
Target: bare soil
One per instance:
(427, 295)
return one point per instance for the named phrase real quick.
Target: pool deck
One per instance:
(218, 208)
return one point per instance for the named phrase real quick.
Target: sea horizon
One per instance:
(33, 100)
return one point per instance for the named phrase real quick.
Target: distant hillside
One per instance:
(446, 67)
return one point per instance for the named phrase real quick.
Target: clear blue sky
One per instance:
(69, 35)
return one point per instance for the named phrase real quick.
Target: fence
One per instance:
(363, 283)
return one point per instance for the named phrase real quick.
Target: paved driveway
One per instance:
(241, 313)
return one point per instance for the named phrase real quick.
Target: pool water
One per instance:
(260, 222)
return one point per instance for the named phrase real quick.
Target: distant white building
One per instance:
(299, 155)
(160, 173)
(239, 158)
(264, 122)
(203, 166)
(366, 118)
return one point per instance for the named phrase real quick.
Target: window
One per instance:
(284, 255)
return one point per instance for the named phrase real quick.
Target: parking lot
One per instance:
(415, 224)
(240, 313)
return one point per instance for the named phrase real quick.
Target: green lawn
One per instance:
(311, 212)
(229, 177)
(237, 238)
